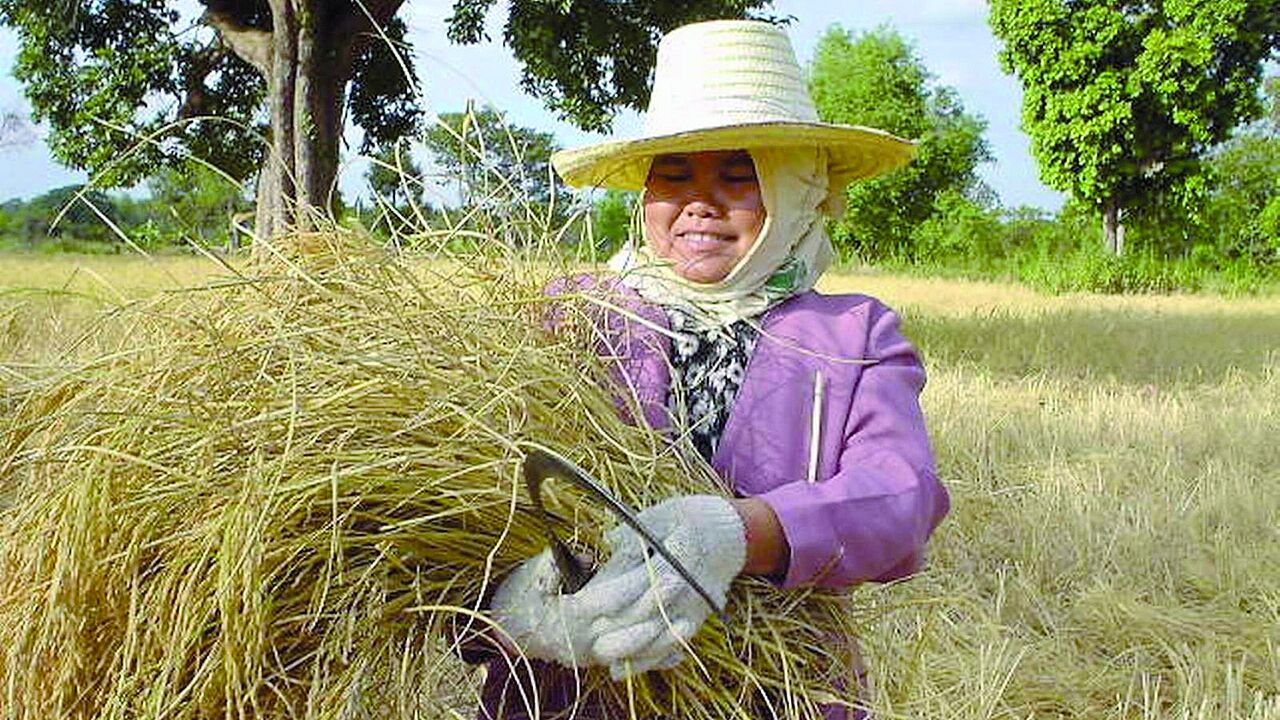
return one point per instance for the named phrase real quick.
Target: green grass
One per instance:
(1115, 472)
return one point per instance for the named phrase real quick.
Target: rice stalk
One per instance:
(285, 494)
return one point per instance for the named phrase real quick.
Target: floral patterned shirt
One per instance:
(707, 368)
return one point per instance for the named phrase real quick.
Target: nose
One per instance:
(702, 200)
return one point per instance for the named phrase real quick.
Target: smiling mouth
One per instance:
(703, 239)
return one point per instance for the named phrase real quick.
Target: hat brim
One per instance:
(854, 152)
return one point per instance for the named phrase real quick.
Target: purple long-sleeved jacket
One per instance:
(858, 498)
(874, 497)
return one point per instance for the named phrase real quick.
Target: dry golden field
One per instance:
(1114, 545)
(1114, 551)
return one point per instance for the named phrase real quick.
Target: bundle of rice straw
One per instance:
(270, 500)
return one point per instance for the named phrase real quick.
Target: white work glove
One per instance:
(646, 611)
(543, 623)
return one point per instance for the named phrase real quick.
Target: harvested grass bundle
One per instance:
(272, 498)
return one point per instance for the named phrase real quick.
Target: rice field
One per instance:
(1113, 550)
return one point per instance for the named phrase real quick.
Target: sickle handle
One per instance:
(574, 575)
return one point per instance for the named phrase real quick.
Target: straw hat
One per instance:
(725, 85)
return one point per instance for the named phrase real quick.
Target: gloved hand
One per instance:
(543, 623)
(645, 610)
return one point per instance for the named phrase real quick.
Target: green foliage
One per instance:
(105, 73)
(958, 229)
(488, 156)
(1092, 269)
(877, 79)
(193, 204)
(1220, 215)
(1122, 98)
(62, 214)
(1265, 230)
(611, 217)
(1242, 217)
(383, 100)
(1063, 253)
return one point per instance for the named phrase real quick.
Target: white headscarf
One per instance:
(789, 255)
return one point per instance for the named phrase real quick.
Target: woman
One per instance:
(806, 405)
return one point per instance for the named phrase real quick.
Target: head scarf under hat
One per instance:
(787, 258)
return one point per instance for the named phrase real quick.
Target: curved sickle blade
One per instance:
(541, 463)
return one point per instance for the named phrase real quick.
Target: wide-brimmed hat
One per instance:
(727, 85)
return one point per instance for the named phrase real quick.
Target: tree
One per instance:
(104, 72)
(396, 181)
(1123, 98)
(1241, 212)
(195, 203)
(14, 131)
(876, 79)
(481, 149)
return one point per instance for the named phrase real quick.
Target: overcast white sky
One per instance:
(951, 36)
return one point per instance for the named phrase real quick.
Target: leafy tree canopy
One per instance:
(480, 148)
(131, 85)
(394, 177)
(877, 79)
(1124, 97)
(103, 73)
(588, 58)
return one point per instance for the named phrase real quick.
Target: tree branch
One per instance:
(385, 10)
(379, 12)
(249, 44)
(14, 131)
(199, 67)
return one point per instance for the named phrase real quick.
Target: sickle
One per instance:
(541, 463)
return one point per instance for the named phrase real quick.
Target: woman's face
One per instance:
(703, 211)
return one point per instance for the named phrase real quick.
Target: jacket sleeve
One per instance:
(872, 518)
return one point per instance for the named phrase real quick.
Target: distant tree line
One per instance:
(1211, 221)
(1208, 217)
(179, 208)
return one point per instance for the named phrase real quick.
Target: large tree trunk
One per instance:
(276, 188)
(306, 59)
(1112, 227)
(324, 67)
(310, 69)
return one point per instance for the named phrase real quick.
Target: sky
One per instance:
(951, 36)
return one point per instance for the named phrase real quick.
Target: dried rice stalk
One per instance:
(271, 499)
